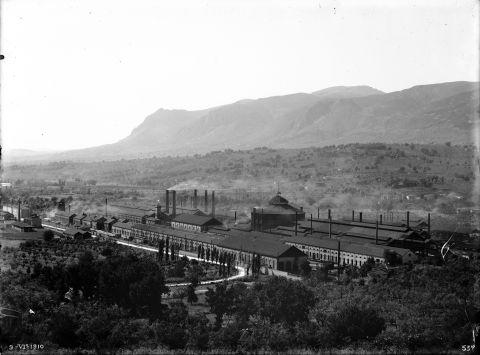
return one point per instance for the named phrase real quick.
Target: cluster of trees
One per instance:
(225, 260)
(167, 251)
(277, 315)
(115, 301)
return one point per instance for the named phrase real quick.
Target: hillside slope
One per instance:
(434, 113)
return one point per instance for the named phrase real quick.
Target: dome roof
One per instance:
(278, 200)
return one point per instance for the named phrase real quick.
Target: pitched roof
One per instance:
(89, 218)
(265, 246)
(127, 225)
(198, 236)
(199, 213)
(111, 220)
(196, 220)
(21, 224)
(278, 200)
(354, 248)
(133, 211)
(326, 243)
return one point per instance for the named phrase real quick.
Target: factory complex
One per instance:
(280, 234)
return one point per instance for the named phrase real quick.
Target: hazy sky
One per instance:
(80, 73)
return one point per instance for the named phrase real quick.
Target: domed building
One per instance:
(278, 212)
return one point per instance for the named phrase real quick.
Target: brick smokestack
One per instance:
(376, 233)
(159, 211)
(174, 203)
(167, 201)
(408, 219)
(353, 216)
(19, 210)
(381, 219)
(329, 228)
(205, 205)
(195, 198)
(329, 213)
(361, 216)
(213, 203)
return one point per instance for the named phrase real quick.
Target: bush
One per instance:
(351, 323)
(48, 235)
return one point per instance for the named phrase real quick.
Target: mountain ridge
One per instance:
(337, 115)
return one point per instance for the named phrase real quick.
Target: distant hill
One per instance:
(338, 92)
(434, 113)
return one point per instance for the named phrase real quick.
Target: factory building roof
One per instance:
(201, 237)
(199, 213)
(21, 224)
(279, 205)
(123, 225)
(111, 220)
(354, 248)
(260, 245)
(371, 233)
(75, 231)
(133, 211)
(237, 233)
(278, 200)
(89, 218)
(196, 220)
(323, 226)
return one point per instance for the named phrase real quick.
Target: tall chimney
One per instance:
(296, 222)
(254, 219)
(311, 223)
(428, 225)
(329, 213)
(376, 232)
(213, 203)
(19, 211)
(174, 203)
(159, 210)
(361, 216)
(235, 216)
(167, 201)
(261, 220)
(318, 212)
(330, 228)
(205, 205)
(195, 199)
(381, 218)
(408, 219)
(353, 215)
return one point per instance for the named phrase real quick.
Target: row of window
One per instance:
(332, 255)
(186, 226)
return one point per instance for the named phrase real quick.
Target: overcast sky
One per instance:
(80, 73)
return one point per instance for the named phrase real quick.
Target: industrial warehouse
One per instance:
(280, 233)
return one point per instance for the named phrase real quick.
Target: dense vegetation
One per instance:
(112, 300)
